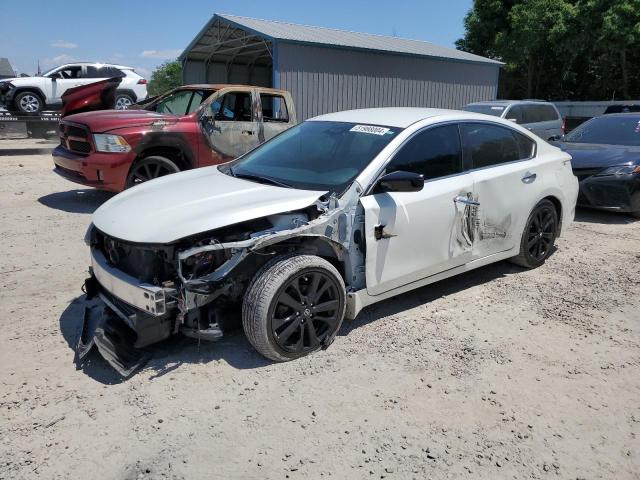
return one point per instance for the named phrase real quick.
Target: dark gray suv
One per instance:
(542, 118)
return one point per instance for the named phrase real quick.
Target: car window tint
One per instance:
(92, 72)
(274, 108)
(486, 145)
(233, 106)
(515, 114)
(526, 146)
(70, 72)
(435, 152)
(175, 104)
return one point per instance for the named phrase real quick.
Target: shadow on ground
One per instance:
(421, 296)
(589, 215)
(76, 201)
(234, 348)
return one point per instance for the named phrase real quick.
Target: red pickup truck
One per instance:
(189, 127)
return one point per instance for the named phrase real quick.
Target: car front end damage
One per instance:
(615, 188)
(141, 294)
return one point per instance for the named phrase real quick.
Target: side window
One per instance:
(70, 73)
(526, 146)
(515, 114)
(487, 145)
(435, 152)
(233, 106)
(175, 104)
(92, 72)
(274, 108)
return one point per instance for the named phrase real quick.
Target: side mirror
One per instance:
(555, 138)
(400, 181)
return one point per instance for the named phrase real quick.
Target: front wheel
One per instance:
(539, 236)
(294, 306)
(149, 168)
(28, 102)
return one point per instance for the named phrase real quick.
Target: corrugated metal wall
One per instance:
(324, 80)
(195, 72)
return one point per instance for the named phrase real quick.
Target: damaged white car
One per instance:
(332, 215)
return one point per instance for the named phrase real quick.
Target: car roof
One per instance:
(74, 64)
(620, 114)
(400, 117)
(220, 86)
(505, 103)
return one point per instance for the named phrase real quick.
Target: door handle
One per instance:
(466, 200)
(380, 234)
(247, 132)
(529, 177)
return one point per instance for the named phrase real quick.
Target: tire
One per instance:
(123, 101)
(29, 102)
(149, 168)
(278, 313)
(539, 236)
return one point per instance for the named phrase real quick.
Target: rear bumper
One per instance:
(616, 192)
(106, 171)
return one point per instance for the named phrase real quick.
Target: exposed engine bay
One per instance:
(144, 293)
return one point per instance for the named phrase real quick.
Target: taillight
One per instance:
(143, 81)
(564, 125)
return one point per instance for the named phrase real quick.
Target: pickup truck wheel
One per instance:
(28, 102)
(123, 101)
(149, 168)
(539, 236)
(294, 306)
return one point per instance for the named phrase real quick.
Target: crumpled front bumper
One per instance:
(612, 192)
(123, 316)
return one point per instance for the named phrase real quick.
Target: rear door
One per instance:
(505, 175)
(413, 235)
(231, 122)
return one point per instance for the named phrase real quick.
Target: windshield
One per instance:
(495, 110)
(314, 155)
(611, 130)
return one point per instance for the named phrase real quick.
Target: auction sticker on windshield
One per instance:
(370, 129)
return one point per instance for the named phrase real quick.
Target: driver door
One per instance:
(230, 122)
(413, 235)
(64, 79)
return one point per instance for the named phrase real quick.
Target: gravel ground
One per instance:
(499, 373)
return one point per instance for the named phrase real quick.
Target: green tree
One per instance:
(165, 77)
(559, 49)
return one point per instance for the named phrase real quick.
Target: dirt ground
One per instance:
(499, 373)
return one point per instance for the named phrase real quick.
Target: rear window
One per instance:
(495, 110)
(539, 113)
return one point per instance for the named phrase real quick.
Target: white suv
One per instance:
(34, 94)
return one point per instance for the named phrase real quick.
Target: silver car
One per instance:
(542, 118)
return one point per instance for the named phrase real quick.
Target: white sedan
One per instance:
(332, 215)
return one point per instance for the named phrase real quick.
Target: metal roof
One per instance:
(271, 30)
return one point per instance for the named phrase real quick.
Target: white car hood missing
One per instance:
(184, 204)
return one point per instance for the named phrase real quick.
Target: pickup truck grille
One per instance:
(75, 138)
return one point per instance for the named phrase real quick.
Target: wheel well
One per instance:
(558, 206)
(174, 154)
(35, 91)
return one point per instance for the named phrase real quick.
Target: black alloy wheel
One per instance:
(305, 311)
(542, 232)
(293, 306)
(539, 235)
(149, 168)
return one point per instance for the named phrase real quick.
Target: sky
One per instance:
(145, 33)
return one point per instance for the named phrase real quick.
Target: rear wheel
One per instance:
(123, 101)
(149, 168)
(539, 235)
(294, 306)
(28, 102)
